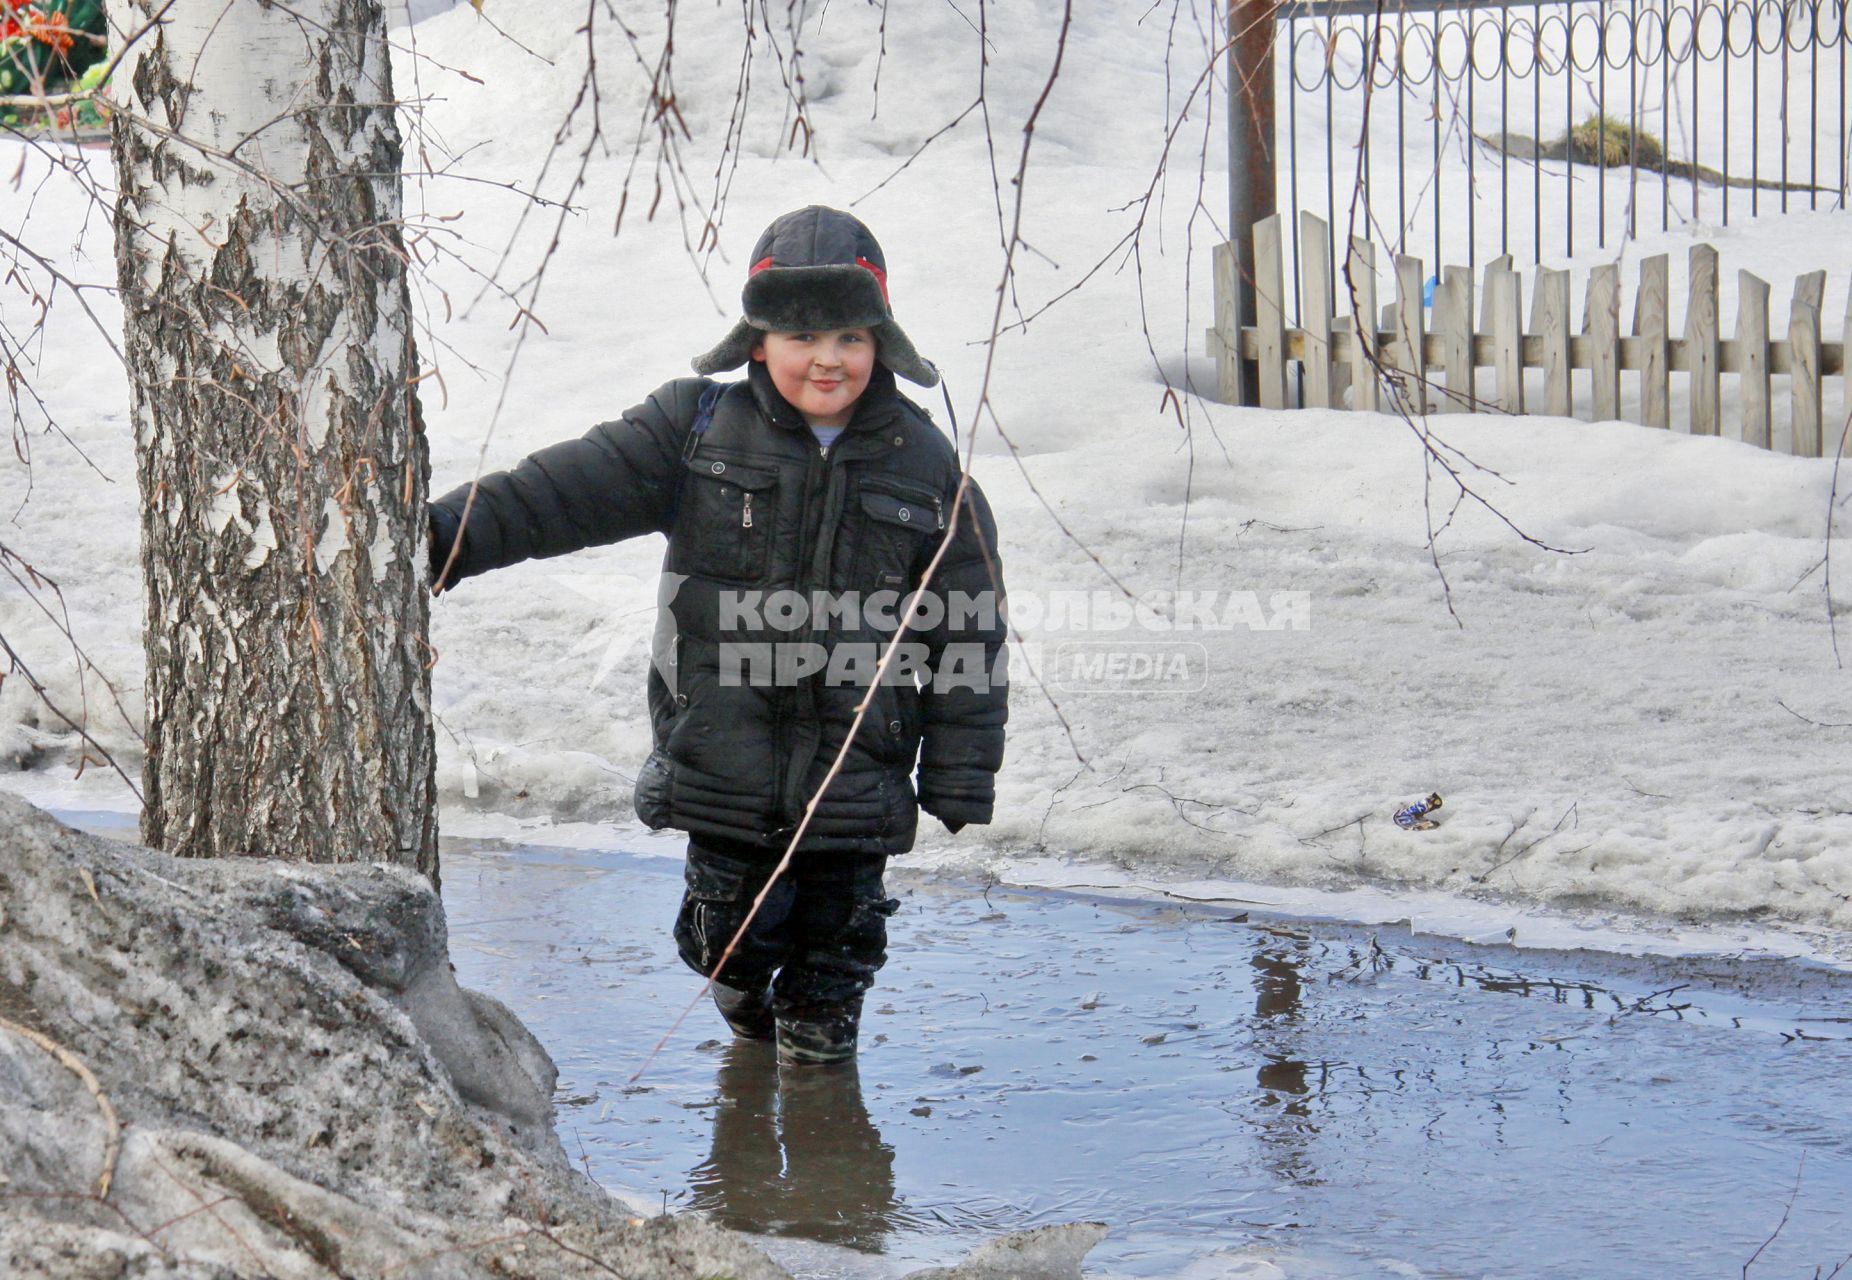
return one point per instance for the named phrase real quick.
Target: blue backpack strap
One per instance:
(703, 419)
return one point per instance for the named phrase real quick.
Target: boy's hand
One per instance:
(954, 811)
(443, 530)
(956, 808)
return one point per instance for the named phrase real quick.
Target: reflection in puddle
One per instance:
(1233, 1097)
(1285, 1116)
(794, 1153)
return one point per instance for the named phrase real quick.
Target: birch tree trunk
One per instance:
(279, 449)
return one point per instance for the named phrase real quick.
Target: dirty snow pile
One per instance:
(1614, 661)
(239, 1068)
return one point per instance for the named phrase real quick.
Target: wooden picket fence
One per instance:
(1412, 364)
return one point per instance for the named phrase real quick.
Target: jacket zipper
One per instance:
(746, 517)
(782, 778)
(808, 690)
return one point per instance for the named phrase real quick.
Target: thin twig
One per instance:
(1786, 1210)
(44, 695)
(1820, 724)
(1568, 813)
(112, 1127)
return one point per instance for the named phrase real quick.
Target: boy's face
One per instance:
(822, 372)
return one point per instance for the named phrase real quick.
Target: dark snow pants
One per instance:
(817, 941)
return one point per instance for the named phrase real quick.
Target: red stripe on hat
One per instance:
(759, 266)
(879, 275)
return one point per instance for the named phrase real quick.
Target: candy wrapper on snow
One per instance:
(1415, 817)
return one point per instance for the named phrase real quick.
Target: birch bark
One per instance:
(279, 449)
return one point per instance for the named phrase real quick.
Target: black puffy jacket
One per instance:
(784, 567)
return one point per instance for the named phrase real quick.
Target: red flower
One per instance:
(54, 30)
(26, 22)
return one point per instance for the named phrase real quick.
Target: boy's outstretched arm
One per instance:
(967, 699)
(615, 482)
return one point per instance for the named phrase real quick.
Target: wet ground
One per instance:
(1234, 1096)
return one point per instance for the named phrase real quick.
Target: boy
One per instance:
(801, 505)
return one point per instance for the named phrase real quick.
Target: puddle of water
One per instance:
(1233, 1097)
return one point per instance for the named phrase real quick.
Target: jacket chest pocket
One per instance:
(899, 521)
(725, 525)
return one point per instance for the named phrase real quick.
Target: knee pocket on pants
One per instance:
(862, 939)
(720, 893)
(716, 879)
(869, 915)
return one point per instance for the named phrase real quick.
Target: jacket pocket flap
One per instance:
(737, 474)
(921, 514)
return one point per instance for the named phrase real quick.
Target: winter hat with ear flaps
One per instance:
(818, 268)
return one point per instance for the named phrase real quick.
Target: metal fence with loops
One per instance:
(1465, 132)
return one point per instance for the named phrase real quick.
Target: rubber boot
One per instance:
(749, 1013)
(819, 1037)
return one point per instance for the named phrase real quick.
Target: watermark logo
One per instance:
(877, 611)
(1165, 642)
(1160, 612)
(857, 664)
(1128, 666)
(1094, 641)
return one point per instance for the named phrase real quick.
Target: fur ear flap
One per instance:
(730, 352)
(895, 350)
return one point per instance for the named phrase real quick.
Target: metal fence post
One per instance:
(1251, 142)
